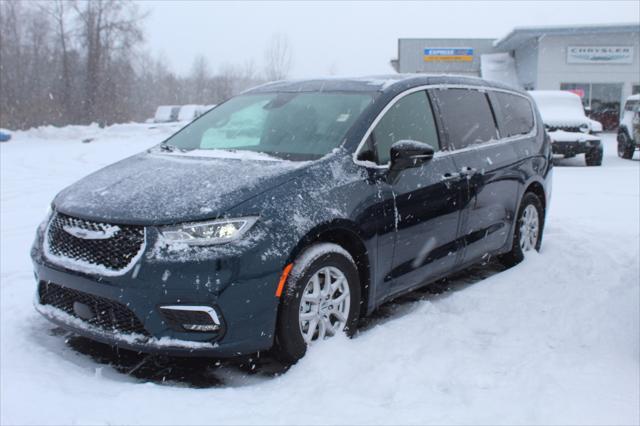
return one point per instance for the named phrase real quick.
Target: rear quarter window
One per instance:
(514, 114)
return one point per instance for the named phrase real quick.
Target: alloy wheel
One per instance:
(325, 303)
(529, 228)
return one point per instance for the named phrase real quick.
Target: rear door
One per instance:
(488, 164)
(426, 199)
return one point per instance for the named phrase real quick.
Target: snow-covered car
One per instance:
(202, 109)
(629, 129)
(570, 130)
(283, 215)
(189, 113)
(166, 114)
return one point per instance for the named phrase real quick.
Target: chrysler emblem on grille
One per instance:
(104, 232)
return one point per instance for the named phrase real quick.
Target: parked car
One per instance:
(189, 112)
(628, 131)
(285, 214)
(570, 130)
(166, 114)
(202, 109)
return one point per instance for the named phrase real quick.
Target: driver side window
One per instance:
(409, 118)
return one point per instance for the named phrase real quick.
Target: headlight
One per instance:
(584, 128)
(208, 233)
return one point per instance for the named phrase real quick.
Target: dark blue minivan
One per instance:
(282, 216)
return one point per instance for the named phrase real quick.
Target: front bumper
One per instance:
(240, 286)
(574, 148)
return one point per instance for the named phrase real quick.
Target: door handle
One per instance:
(447, 177)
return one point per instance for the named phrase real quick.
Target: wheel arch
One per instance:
(538, 189)
(345, 234)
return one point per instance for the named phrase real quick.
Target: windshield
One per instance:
(293, 126)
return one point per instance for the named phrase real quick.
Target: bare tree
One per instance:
(278, 58)
(108, 28)
(58, 10)
(200, 80)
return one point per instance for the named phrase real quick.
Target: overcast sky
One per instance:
(346, 38)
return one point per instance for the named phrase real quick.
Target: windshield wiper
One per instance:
(167, 148)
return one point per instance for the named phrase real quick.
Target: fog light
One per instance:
(192, 318)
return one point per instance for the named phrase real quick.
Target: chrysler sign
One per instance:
(600, 54)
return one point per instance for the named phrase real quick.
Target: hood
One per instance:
(562, 117)
(559, 108)
(158, 188)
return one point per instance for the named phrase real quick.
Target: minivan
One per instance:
(283, 215)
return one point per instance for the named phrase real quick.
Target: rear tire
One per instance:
(308, 293)
(625, 146)
(530, 215)
(593, 157)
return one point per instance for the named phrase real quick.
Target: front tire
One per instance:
(594, 157)
(625, 146)
(527, 234)
(321, 299)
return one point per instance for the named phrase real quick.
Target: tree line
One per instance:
(79, 62)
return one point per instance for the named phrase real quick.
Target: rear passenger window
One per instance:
(466, 116)
(516, 116)
(409, 118)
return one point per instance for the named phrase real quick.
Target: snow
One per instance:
(553, 340)
(163, 113)
(500, 67)
(560, 108)
(222, 153)
(188, 112)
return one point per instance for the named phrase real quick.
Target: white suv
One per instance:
(570, 130)
(629, 129)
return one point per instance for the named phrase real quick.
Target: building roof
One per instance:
(520, 35)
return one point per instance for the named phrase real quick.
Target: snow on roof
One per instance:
(499, 67)
(551, 94)
(188, 112)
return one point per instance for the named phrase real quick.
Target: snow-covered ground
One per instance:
(553, 340)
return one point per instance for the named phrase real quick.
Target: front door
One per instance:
(427, 199)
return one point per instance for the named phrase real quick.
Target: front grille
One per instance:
(563, 128)
(113, 247)
(108, 315)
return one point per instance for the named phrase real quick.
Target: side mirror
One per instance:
(406, 154)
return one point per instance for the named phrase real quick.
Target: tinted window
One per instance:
(516, 115)
(409, 118)
(466, 116)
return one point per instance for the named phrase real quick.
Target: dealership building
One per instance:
(598, 62)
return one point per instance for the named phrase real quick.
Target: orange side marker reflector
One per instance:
(283, 279)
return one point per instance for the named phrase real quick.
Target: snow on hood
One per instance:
(154, 188)
(560, 108)
(562, 136)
